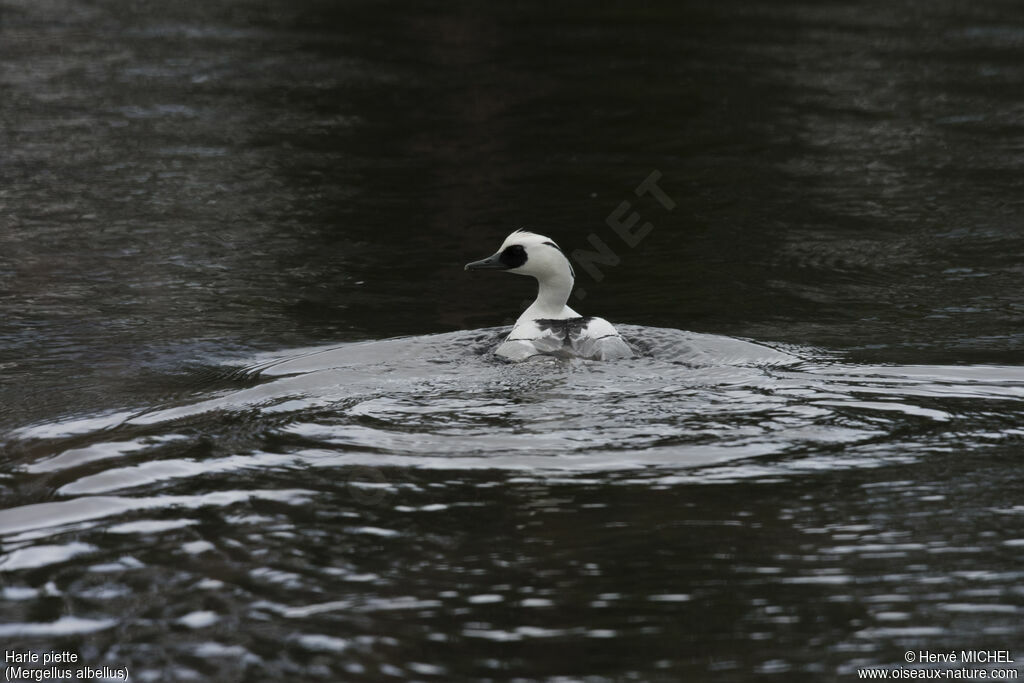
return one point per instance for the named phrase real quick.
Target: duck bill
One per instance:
(489, 263)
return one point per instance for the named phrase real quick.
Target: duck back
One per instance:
(583, 337)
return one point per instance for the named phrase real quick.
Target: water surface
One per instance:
(250, 424)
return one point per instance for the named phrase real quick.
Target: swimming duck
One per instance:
(549, 327)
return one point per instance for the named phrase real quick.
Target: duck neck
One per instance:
(552, 294)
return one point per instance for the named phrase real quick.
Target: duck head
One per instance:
(527, 253)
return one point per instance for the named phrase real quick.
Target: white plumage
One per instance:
(549, 326)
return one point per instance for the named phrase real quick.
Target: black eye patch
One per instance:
(513, 256)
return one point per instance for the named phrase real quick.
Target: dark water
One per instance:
(212, 214)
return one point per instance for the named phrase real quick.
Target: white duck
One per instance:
(549, 327)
